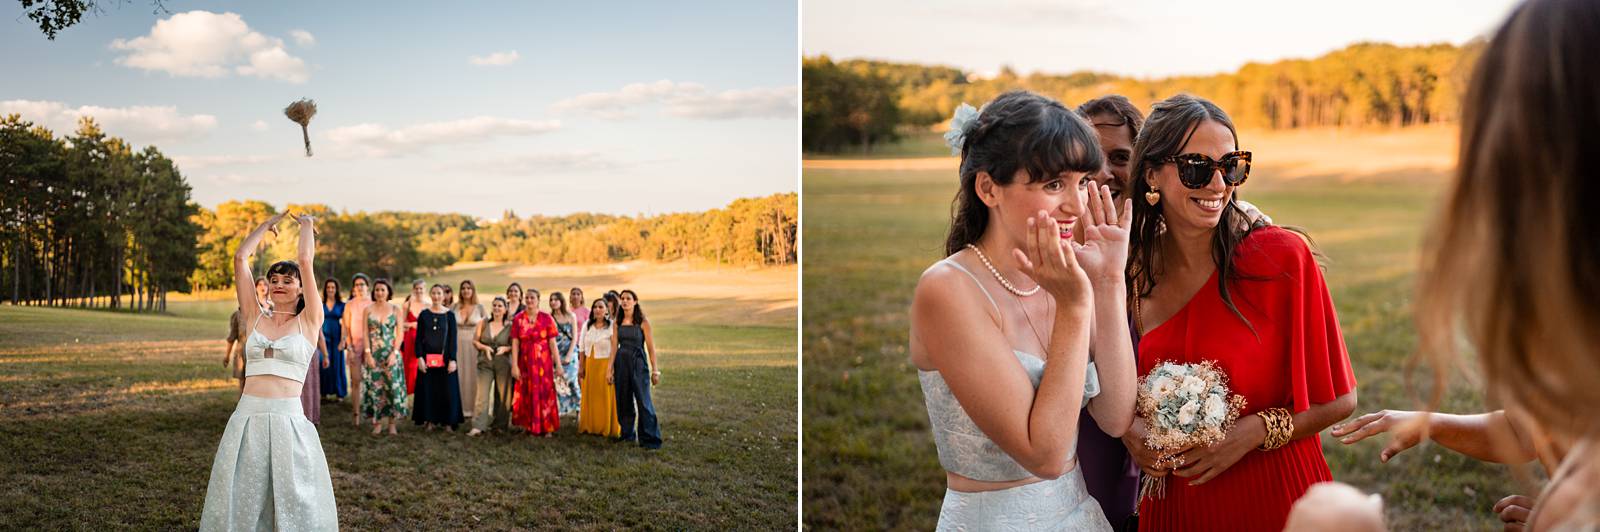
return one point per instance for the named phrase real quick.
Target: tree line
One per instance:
(857, 103)
(87, 220)
(750, 231)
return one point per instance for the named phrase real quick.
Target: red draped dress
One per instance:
(533, 401)
(408, 351)
(1295, 358)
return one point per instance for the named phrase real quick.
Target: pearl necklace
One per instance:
(1001, 278)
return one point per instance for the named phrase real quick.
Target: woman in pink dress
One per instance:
(355, 338)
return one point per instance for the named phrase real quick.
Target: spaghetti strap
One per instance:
(253, 324)
(976, 282)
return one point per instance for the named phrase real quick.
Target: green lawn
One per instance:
(110, 421)
(869, 459)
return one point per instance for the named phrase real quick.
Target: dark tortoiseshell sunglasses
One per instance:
(1195, 170)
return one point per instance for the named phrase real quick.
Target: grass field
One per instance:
(110, 421)
(871, 229)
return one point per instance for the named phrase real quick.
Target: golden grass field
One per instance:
(110, 420)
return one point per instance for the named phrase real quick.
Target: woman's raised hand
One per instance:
(272, 223)
(1046, 260)
(306, 220)
(1104, 253)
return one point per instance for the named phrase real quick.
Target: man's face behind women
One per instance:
(1116, 141)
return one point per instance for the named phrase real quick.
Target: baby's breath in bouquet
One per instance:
(1184, 405)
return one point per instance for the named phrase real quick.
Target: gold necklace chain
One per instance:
(1003, 282)
(1044, 348)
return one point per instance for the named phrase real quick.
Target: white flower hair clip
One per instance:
(960, 124)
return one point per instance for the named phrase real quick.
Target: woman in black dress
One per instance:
(438, 392)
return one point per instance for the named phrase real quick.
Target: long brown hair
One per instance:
(1512, 263)
(1018, 130)
(1168, 128)
(462, 302)
(556, 295)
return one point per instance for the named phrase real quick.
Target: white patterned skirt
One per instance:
(1060, 504)
(269, 473)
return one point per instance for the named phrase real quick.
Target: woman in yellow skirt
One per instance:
(597, 411)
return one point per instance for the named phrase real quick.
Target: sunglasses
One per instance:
(1195, 170)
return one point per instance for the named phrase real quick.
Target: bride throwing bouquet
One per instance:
(269, 472)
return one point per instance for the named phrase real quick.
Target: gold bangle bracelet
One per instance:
(1280, 428)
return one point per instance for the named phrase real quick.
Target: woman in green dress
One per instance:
(384, 396)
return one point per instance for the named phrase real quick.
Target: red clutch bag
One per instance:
(433, 361)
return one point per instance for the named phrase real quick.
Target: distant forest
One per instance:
(88, 220)
(856, 104)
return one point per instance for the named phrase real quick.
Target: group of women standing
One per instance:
(569, 349)
(443, 360)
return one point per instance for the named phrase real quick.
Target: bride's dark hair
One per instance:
(289, 268)
(1018, 130)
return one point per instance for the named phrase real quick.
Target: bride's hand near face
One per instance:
(1046, 260)
(1104, 252)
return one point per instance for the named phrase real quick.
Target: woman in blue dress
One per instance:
(333, 378)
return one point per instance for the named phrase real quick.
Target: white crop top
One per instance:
(290, 357)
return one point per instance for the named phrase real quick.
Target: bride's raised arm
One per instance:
(1104, 256)
(308, 279)
(244, 282)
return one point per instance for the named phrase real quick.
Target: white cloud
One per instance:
(547, 163)
(243, 180)
(139, 124)
(210, 45)
(495, 59)
(303, 38)
(775, 102)
(687, 100)
(376, 140)
(201, 162)
(260, 125)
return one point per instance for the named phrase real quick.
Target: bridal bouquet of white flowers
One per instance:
(1184, 405)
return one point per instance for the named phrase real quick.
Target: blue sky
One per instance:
(1146, 38)
(547, 107)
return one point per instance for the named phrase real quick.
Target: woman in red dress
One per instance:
(533, 402)
(1210, 284)
(414, 305)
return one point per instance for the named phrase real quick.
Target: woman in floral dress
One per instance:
(384, 396)
(568, 397)
(533, 335)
